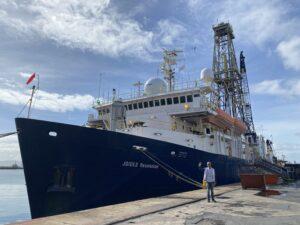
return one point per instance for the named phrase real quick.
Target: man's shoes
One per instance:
(208, 200)
(214, 200)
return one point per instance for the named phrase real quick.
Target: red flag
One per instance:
(30, 78)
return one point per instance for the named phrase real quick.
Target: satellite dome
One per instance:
(206, 75)
(155, 86)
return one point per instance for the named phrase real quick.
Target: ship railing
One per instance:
(139, 93)
(272, 167)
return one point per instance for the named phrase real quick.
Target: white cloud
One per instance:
(84, 24)
(284, 88)
(90, 25)
(47, 100)
(255, 21)
(258, 22)
(290, 52)
(170, 31)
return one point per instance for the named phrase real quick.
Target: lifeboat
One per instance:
(226, 122)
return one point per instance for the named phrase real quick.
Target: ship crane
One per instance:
(248, 118)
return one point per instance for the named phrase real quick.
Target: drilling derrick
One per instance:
(226, 73)
(248, 119)
(231, 84)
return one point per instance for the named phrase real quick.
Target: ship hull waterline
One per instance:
(69, 168)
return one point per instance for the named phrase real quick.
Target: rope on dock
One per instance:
(8, 134)
(169, 169)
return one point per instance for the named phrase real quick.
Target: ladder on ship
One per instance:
(273, 168)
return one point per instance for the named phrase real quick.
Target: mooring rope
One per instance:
(7, 134)
(175, 173)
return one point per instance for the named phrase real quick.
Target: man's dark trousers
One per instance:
(210, 191)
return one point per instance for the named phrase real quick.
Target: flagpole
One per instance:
(30, 100)
(38, 81)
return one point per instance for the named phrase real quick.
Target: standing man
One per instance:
(209, 177)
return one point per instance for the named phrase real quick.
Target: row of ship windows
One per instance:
(161, 102)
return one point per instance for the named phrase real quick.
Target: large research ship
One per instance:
(153, 143)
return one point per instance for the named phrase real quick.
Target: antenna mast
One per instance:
(168, 67)
(138, 85)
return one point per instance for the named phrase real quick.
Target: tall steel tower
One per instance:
(231, 82)
(226, 73)
(248, 118)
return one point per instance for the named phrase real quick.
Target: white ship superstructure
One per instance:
(212, 113)
(184, 116)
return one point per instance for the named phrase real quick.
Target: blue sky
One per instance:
(70, 42)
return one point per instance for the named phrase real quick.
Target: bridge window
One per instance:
(145, 104)
(175, 100)
(135, 105)
(189, 98)
(126, 107)
(140, 105)
(156, 102)
(169, 101)
(182, 99)
(196, 95)
(150, 103)
(130, 107)
(163, 101)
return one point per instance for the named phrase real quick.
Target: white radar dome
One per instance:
(207, 76)
(155, 86)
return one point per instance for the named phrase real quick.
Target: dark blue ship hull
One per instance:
(70, 168)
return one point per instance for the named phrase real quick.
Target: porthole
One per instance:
(52, 134)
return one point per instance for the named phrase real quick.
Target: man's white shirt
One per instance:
(209, 174)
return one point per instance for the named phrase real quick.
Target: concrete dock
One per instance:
(234, 206)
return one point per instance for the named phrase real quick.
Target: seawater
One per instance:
(14, 206)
